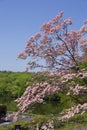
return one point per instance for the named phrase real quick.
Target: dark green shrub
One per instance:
(3, 110)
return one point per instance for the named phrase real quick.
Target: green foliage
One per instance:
(79, 81)
(80, 98)
(2, 128)
(11, 106)
(53, 97)
(83, 65)
(40, 77)
(51, 106)
(46, 108)
(40, 119)
(66, 101)
(79, 118)
(78, 121)
(13, 84)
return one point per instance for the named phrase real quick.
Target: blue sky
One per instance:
(19, 19)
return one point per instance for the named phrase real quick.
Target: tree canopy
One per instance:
(59, 47)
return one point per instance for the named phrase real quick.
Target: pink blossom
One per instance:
(68, 21)
(45, 40)
(26, 69)
(85, 21)
(22, 55)
(37, 36)
(74, 110)
(57, 18)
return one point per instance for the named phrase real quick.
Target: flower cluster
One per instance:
(35, 94)
(76, 90)
(74, 110)
(67, 77)
(12, 117)
(48, 126)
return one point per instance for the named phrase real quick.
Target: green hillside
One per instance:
(12, 86)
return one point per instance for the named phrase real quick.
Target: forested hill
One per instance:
(13, 84)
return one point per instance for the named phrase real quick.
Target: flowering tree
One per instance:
(58, 47)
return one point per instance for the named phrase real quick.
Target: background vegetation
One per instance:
(12, 86)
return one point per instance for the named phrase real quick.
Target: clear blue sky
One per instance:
(19, 19)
